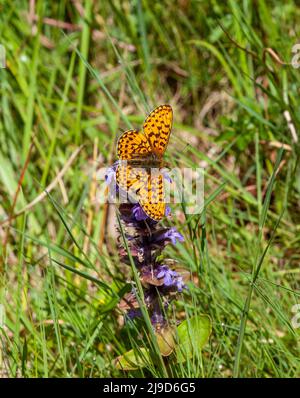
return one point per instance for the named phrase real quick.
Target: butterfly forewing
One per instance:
(157, 128)
(133, 144)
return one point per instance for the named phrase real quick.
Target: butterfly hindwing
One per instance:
(157, 128)
(131, 179)
(152, 198)
(144, 186)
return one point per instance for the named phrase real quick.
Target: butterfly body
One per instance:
(140, 159)
(146, 162)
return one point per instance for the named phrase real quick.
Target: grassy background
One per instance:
(80, 73)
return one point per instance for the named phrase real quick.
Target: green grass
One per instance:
(67, 93)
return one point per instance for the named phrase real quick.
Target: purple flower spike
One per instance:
(139, 213)
(146, 238)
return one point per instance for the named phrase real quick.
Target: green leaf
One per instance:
(132, 360)
(193, 334)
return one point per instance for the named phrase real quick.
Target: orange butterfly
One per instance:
(142, 154)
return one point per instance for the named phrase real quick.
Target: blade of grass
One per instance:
(84, 50)
(257, 266)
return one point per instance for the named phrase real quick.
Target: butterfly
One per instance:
(140, 160)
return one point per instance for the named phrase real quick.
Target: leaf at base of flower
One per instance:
(192, 335)
(133, 360)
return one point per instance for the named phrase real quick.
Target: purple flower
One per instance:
(179, 283)
(170, 234)
(134, 313)
(166, 175)
(139, 213)
(167, 211)
(168, 275)
(110, 175)
(157, 318)
(171, 278)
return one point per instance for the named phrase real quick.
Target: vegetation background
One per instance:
(77, 74)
